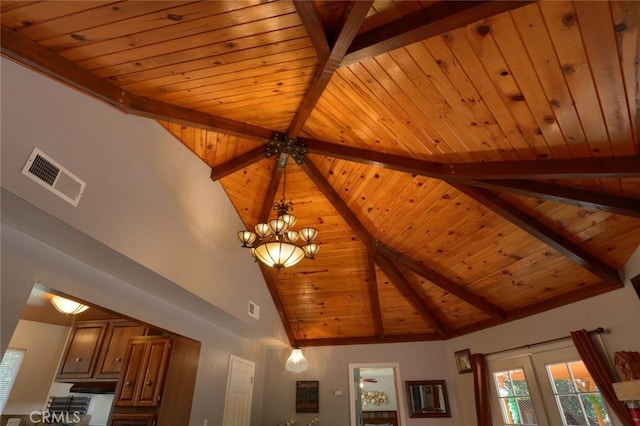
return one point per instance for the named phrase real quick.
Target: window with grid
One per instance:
(577, 395)
(8, 371)
(513, 394)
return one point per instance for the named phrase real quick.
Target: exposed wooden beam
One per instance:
(314, 28)
(271, 285)
(543, 233)
(364, 340)
(375, 158)
(267, 206)
(356, 13)
(431, 21)
(338, 203)
(374, 295)
(441, 281)
(570, 168)
(595, 168)
(407, 289)
(32, 55)
(238, 163)
(562, 194)
(542, 306)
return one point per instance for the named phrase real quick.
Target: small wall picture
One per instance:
(463, 361)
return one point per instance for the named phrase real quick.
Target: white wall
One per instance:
(147, 198)
(329, 365)
(44, 344)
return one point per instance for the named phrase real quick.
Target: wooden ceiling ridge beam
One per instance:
(606, 167)
(565, 247)
(314, 28)
(374, 295)
(436, 19)
(362, 233)
(411, 292)
(34, 56)
(267, 206)
(238, 163)
(327, 66)
(441, 281)
(338, 203)
(573, 196)
(277, 301)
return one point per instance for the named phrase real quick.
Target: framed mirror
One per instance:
(427, 398)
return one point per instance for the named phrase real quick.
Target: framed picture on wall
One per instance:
(307, 396)
(463, 361)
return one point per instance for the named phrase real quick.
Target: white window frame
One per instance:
(12, 373)
(534, 363)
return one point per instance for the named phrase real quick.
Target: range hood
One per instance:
(93, 387)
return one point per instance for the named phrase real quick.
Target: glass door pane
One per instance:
(577, 395)
(515, 389)
(515, 401)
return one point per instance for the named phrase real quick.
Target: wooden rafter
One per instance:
(428, 22)
(596, 168)
(237, 163)
(543, 233)
(407, 289)
(338, 203)
(356, 13)
(562, 194)
(314, 28)
(374, 295)
(441, 281)
(31, 54)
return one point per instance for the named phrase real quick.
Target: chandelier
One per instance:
(275, 243)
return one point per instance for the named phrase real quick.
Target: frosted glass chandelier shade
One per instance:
(67, 306)
(296, 363)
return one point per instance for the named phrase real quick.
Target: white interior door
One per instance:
(237, 406)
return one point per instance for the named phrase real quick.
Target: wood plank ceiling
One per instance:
(466, 163)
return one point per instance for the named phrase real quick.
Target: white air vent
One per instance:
(254, 310)
(50, 174)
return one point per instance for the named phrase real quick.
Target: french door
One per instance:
(547, 388)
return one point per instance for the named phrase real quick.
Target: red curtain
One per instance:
(601, 374)
(481, 389)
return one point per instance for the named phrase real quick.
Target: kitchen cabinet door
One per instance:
(152, 376)
(133, 420)
(83, 348)
(115, 347)
(144, 372)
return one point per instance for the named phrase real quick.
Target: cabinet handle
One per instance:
(149, 382)
(78, 359)
(127, 383)
(118, 359)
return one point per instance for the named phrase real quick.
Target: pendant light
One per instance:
(297, 363)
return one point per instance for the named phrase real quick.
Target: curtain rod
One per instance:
(598, 330)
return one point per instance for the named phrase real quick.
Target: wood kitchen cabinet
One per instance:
(95, 350)
(144, 372)
(133, 420)
(157, 381)
(111, 357)
(82, 351)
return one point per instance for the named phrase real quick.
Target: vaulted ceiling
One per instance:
(466, 163)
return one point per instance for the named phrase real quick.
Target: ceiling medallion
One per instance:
(274, 243)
